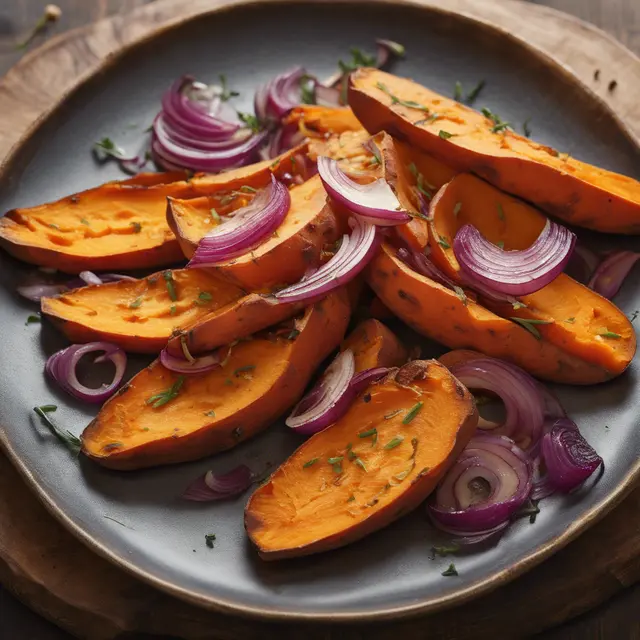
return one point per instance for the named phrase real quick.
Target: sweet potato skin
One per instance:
(577, 317)
(327, 318)
(441, 392)
(438, 313)
(297, 245)
(571, 190)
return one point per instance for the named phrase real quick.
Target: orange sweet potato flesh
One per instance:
(308, 509)
(315, 121)
(216, 410)
(296, 245)
(119, 225)
(375, 345)
(574, 191)
(579, 320)
(438, 313)
(140, 316)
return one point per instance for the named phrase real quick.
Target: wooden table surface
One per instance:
(616, 620)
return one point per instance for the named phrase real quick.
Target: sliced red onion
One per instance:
(35, 292)
(568, 457)
(198, 365)
(421, 263)
(89, 277)
(61, 367)
(328, 96)
(387, 49)
(514, 273)
(374, 202)
(219, 486)
(362, 380)
(611, 273)
(245, 228)
(582, 264)
(352, 257)
(115, 277)
(328, 400)
(499, 463)
(276, 98)
(520, 393)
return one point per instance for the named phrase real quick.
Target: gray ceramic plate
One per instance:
(137, 519)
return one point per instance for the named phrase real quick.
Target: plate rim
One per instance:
(424, 606)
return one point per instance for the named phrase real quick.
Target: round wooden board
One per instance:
(60, 578)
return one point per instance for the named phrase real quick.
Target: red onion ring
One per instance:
(354, 254)
(328, 400)
(274, 99)
(421, 263)
(61, 367)
(35, 291)
(374, 202)
(514, 273)
(507, 471)
(611, 273)
(246, 228)
(362, 380)
(520, 393)
(219, 486)
(201, 364)
(568, 457)
(582, 264)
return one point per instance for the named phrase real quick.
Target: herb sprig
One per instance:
(71, 441)
(159, 399)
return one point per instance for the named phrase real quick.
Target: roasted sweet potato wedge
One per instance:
(566, 313)
(374, 345)
(295, 246)
(140, 316)
(459, 323)
(315, 121)
(119, 225)
(160, 417)
(574, 191)
(378, 462)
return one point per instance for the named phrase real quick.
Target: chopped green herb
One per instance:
(293, 334)
(529, 325)
(185, 349)
(107, 148)
(351, 498)
(442, 241)
(336, 463)
(171, 287)
(412, 413)
(137, 227)
(516, 304)
(500, 244)
(525, 128)
(634, 315)
(159, 399)
(392, 414)
(501, 126)
(361, 464)
(136, 303)
(245, 371)
(48, 408)
(445, 135)
(475, 92)
(226, 94)
(310, 463)
(500, 211)
(54, 226)
(32, 319)
(209, 539)
(610, 334)
(215, 216)
(403, 103)
(451, 571)
(84, 221)
(225, 200)
(228, 382)
(459, 291)
(245, 188)
(394, 442)
(530, 509)
(72, 442)
(457, 92)
(173, 309)
(205, 296)
(456, 209)
(370, 433)
(570, 320)
(351, 455)
(498, 123)
(445, 550)
(112, 445)
(250, 120)
(307, 90)
(211, 413)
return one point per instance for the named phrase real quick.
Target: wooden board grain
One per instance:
(64, 581)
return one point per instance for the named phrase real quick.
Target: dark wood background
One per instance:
(619, 619)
